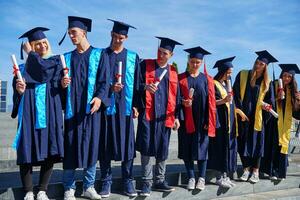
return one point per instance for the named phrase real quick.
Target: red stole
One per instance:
(212, 108)
(172, 93)
(188, 111)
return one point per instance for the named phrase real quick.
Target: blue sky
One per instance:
(225, 28)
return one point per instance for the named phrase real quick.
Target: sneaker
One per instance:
(245, 176)
(91, 193)
(29, 196)
(222, 182)
(254, 177)
(273, 178)
(42, 196)
(191, 184)
(105, 189)
(69, 194)
(227, 179)
(163, 187)
(129, 189)
(146, 189)
(200, 184)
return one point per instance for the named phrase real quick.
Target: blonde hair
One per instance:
(49, 52)
(254, 77)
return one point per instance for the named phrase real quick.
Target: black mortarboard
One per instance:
(265, 57)
(120, 27)
(34, 34)
(197, 52)
(224, 64)
(290, 68)
(168, 43)
(79, 22)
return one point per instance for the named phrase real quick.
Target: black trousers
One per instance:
(45, 173)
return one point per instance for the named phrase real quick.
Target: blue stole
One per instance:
(40, 109)
(129, 84)
(94, 60)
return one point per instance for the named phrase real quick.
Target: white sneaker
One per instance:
(227, 179)
(245, 176)
(273, 178)
(29, 196)
(42, 196)
(191, 184)
(200, 184)
(254, 177)
(91, 193)
(69, 194)
(223, 183)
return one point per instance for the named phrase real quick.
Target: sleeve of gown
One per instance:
(178, 103)
(136, 90)
(236, 92)
(270, 99)
(102, 82)
(40, 70)
(16, 100)
(139, 99)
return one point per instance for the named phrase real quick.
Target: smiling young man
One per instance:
(117, 137)
(157, 108)
(85, 90)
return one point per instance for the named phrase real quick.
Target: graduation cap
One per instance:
(120, 27)
(197, 52)
(224, 64)
(168, 43)
(78, 22)
(290, 68)
(265, 57)
(34, 34)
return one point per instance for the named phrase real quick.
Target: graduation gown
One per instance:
(38, 144)
(222, 153)
(117, 132)
(250, 141)
(153, 136)
(194, 146)
(82, 131)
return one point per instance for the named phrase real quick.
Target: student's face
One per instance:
(76, 35)
(260, 66)
(228, 73)
(41, 47)
(163, 55)
(118, 39)
(286, 78)
(195, 63)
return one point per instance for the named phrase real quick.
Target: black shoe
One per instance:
(146, 189)
(163, 187)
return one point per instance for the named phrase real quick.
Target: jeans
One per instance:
(88, 179)
(160, 170)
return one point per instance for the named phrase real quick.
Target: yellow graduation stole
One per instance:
(258, 111)
(284, 121)
(223, 93)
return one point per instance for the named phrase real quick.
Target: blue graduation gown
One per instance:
(153, 136)
(274, 162)
(82, 131)
(37, 145)
(251, 142)
(222, 153)
(117, 135)
(194, 146)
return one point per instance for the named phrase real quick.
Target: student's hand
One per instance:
(21, 86)
(151, 88)
(228, 98)
(241, 114)
(266, 107)
(65, 82)
(96, 102)
(117, 87)
(187, 102)
(176, 125)
(135, 112)
(27, 47)
(280, 93)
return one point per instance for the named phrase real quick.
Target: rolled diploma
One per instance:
(62, 58)
(271, 110)
(16, 66)
(160, 77)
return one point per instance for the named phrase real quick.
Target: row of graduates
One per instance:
(97, 125)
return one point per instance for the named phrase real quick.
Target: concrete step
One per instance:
(10, 185)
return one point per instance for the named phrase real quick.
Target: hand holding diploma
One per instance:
(268, 108)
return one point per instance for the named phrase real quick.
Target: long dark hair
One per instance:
(294, 89)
